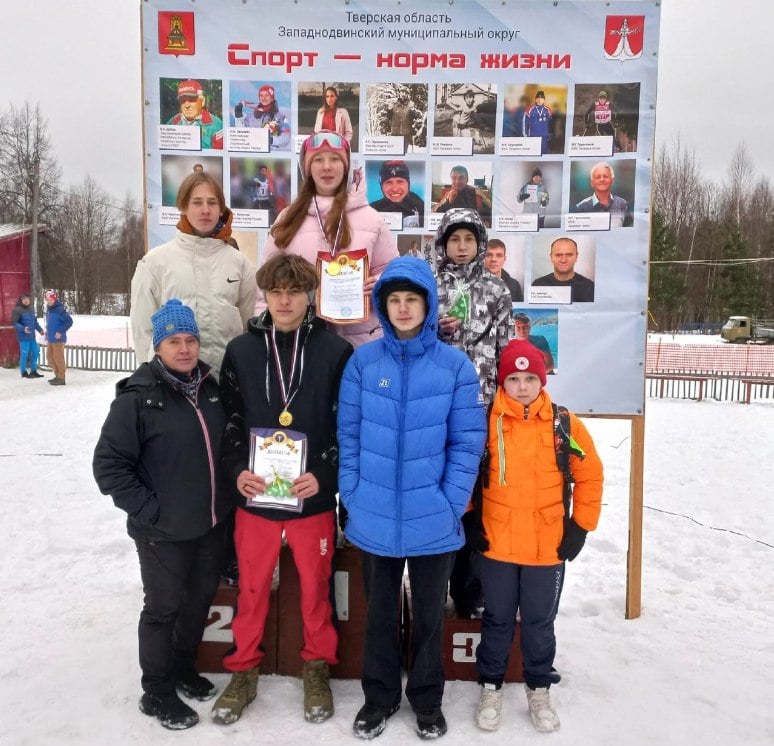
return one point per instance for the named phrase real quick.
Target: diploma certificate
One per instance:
(340, 296)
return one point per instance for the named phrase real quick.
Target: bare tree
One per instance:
(680, 194)
(29, 176)
(130, 249)
(83, 232)
(741, 175)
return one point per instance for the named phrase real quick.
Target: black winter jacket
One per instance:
(243, 376)
(158, 456)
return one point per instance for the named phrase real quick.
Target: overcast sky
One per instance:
(80, 59)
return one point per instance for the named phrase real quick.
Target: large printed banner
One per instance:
(540, 115)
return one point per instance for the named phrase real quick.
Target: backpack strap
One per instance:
(565, 446)
(483, 472)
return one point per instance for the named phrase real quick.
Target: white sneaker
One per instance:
(542, 712)
(489, 704)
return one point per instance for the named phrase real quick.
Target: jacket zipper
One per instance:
(399, 481)
(210, 460)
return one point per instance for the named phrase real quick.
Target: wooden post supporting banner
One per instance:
(636, 489)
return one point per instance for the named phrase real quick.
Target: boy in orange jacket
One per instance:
(527, 533)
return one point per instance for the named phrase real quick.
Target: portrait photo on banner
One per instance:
(398, 110)
(262, 104)
(536, 110)
(330, 105)
(563, 269)
(604, 186)
(463, 183)
(259, 184)
(467, 110)
(608, 109)
(540, 327)
(531, 187)
(174, 168)
(189, 102)
(421, 245)
(396, 187)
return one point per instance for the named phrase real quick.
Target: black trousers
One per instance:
(179, 580)
(381, 679)
(533, 591)
(464, 585)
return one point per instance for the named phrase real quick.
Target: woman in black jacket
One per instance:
(158, 456)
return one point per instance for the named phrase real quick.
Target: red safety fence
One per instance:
(745, 360)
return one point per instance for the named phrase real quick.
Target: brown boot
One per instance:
(239, 692)
(318, 700)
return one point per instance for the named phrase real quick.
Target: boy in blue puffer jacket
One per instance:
(411, 433)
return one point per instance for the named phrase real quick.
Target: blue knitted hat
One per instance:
(173, 318)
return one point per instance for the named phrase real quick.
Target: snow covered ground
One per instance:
(114, 331)
(694, 669)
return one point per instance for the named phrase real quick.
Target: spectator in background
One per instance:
(58, 321)
(24, 322)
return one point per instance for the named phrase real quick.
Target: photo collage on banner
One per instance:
(539, 116)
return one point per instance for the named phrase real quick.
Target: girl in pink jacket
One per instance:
(326, 219)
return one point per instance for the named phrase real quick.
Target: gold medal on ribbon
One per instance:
(285, 418)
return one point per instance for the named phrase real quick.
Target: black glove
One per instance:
(475, 537)
(522, 196)
(238, 111)
(573, 539)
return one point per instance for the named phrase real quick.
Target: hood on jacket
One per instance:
(418, 272)
(460, 217)
(19, 301)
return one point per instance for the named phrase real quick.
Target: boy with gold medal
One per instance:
(284, 370)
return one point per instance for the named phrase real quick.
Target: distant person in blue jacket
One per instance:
(24, 322)
(411, 434)
(58, 321)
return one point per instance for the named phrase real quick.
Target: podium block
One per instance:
(350, 611)
(218, 639)
(460, 640)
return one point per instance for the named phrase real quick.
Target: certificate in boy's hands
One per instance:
(279, 456)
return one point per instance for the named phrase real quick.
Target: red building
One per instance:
(14, 280)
